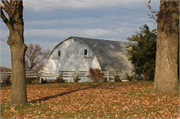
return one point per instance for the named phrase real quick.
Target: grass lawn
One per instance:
(91, 100)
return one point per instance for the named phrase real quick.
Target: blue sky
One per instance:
(60, 19)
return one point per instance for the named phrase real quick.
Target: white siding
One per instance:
(72, 58)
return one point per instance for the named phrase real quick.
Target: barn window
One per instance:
(85, 52)
(59, 53)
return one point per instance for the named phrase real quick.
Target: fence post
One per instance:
(62, 73)
(78, 73)
(107, 75)
(39, 75)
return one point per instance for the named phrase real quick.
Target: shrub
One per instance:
(96, 74)
(130, 78)
(76, 78)
(36, 80)
(28, 80)
(117, 78)
(60, 79)
(7, 80)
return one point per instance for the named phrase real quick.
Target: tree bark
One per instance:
(18, 76)
(145, 76)
(15, 40)
(167, 60)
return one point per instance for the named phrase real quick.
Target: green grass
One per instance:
(138, 92)
(148, 81)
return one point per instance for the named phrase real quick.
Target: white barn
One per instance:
(79, 54)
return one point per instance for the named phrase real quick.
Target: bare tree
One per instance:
(35, 57)
(15, 24)
(167, 54)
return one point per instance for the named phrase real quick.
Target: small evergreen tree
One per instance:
(142, 54)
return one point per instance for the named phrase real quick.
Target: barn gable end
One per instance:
(72, 57)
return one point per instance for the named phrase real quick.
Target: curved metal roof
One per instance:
(112, 55)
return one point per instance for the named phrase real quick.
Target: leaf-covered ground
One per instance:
(91, 100)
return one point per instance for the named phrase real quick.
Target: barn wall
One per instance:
(72, 58)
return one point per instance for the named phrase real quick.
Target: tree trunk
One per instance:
(15, 24)
(166, 69)
(18, 76)
(18, 48)
(19, 95)
(145, 76)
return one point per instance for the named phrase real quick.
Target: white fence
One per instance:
(43, 74)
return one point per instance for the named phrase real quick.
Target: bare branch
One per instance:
(153, 13)
(3, 41)
(5, 20)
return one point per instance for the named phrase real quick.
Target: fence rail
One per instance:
(43, 74)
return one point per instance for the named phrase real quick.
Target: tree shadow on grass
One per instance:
(61, 94)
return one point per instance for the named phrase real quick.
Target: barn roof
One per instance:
(112, 55)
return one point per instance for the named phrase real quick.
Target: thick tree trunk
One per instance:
(15, 24)
(18, 67)
(166, 69)
(18, 76)
(18, 48)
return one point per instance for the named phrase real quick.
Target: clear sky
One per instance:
(48, 22)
